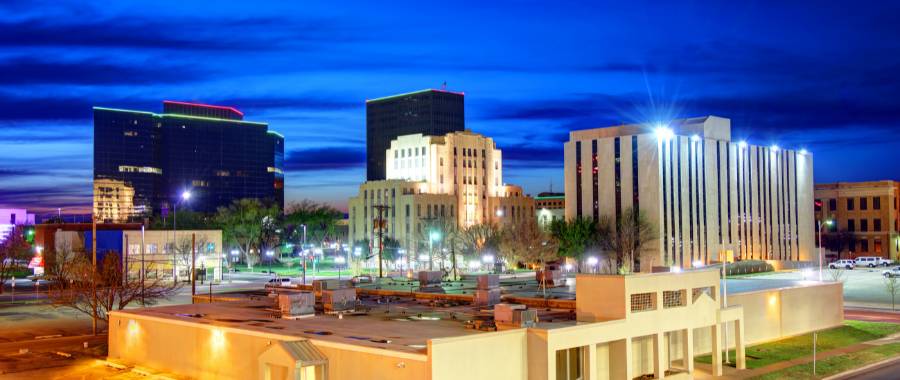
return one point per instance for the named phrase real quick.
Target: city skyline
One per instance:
(531, 73)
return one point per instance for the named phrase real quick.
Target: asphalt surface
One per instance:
(889, 371)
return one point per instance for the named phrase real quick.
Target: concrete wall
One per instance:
(498, 355)
(210, 352)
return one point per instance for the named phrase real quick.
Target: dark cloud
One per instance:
(43, 198)
(213, 34)
(32, 71)
(328, 158)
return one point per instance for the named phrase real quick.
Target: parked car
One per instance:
(283, 281)
(893, 272)
(363, 279)
(871, 261)
(845, 264)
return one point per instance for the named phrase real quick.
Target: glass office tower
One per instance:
(208, 150)
(429, 112)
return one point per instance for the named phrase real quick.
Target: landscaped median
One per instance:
(800, 347)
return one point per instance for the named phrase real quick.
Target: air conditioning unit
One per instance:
(488, 281)
(430, 278)
(297, 304)
(339, 299)
(503, 312)
(487, 297)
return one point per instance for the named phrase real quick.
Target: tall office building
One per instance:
(209, 150)
(705, 194)
(429, 112)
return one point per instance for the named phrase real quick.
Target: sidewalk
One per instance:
(704, 371)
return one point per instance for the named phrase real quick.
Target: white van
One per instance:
(871, 261)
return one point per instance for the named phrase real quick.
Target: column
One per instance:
(659, 365)
(741, 358)
(620, 357)
(716, 337)
(687, 353)
(590, 362)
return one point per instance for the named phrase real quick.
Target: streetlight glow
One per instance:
(804, 152)
(593, 260)
(775, 148)
(695, 138)
(742, 144)
(270, 253)
(186, 195)
(664, 133)
(488, 259)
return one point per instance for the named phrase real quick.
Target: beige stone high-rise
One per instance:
(705, 193)
(456, 177)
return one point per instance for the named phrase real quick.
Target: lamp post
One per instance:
(185, 196)
(829, 223)
(303, 253)
(432, 237)
(270, 254)
(339, 260)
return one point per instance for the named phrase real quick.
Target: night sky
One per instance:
(819, 76)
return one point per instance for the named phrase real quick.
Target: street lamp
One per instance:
(593, 261)
(432, 237)
(339, 260)
(270, 254)
(185, 196)
(829, 223)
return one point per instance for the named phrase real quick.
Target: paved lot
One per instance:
(863, 287)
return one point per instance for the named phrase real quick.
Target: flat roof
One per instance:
(402, 326)
(414, 93)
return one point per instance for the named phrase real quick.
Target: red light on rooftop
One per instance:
(232, 109)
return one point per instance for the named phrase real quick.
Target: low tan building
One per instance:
(865, 216)
(622, 327)
(160, 251)
(549, 207)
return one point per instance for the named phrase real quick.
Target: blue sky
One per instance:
(820, 76)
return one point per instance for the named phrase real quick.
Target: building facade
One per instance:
(864, 215)
(704, 193)
(429, 112)
(12, 217)
(456, 178)
(208, 150)
(550, 206)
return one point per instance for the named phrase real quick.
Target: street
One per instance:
(889, 371)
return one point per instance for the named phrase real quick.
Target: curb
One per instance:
(862, 369)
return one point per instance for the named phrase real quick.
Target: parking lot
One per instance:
(863, 287)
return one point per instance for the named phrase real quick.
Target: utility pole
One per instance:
(193, 264)
(94, 273)
(379, 228)
(142, 266)
(303, 253)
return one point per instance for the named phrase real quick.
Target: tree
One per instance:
(479, 239)
(892, 286)
(14, 253)
(320, 221)
(105, 289)
(448, 236)
(184, 252)
(248, 224)
(527, 242)
(574, 236)
(632, 232)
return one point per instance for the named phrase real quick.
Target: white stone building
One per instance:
(456, 177)
(705, 193)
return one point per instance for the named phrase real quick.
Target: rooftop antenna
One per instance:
(444, 86)
(551, 185)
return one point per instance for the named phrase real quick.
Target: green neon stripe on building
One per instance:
(180, 116)
(410, 93)
(276, 134)
(122, 110)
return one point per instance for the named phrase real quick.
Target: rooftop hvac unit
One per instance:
(339, 299)
(430, 278)
(320, 285)
(488, 281)
(503, 312)
(487, 297)
(297, 305)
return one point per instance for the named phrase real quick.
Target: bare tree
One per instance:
(478, 239)
(632, 231)
(527, 242)
(836, 274)
(892, 286)
(82, 288)
(14, 253)
(184, 252)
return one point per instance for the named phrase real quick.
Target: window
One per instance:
(643, 302)
(876, 203)
(864, 225)
(849, 204)
(863, 203)
(864, 245)
(832, 204)
(876, 225)
(674, 298)
(877, 245)
(818, 205)
(851, 225)
(151, 248)
(570, 364)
